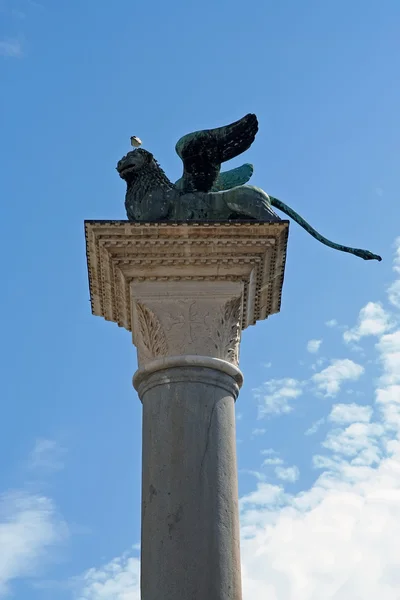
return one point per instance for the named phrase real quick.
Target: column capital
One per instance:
(186, 288)
(175, 318)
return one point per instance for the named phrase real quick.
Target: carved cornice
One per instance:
(121, 254)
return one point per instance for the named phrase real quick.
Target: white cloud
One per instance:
(276, 394)
(396, 258)
(372, 320)
(18, 14)
(11, 48)
(330, 379)
(394, 294)
(336, 541)
(314, 427)
(388, 398)
(264, 495)
(29, 529)
(47, 455)
(331, 323)
(117, 580)
(355, 439)
(289, 474)
(313, 346)
(348, 413)
(394, 289)
(318, 363)
(36, 4)
(259, 476)
(389, 348)
(388, 391)
(258, 431)
(274, 460)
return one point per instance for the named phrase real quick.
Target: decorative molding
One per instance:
(187, 318)
(121, 254)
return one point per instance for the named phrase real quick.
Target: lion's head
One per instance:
(130, 165)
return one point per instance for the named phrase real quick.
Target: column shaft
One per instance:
(190, 523)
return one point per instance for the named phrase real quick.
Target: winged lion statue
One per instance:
(204, 193)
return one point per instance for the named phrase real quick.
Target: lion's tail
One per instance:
(364, 254)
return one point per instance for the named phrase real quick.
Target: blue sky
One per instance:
(318, 416)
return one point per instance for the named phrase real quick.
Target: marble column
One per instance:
(186, 291)
(190, 520)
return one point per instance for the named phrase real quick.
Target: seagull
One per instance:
(135, 141)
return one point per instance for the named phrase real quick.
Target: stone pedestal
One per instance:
(186, 291)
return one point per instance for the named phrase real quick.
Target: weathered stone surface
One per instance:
(122, 254)
(187, 317)
(190, 525)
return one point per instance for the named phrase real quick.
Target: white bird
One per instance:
(135, 141)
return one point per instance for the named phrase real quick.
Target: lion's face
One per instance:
(132, 163)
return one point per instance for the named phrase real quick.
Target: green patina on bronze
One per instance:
(203, 193)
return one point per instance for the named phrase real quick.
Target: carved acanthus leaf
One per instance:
(228, 330)
(153, 341)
